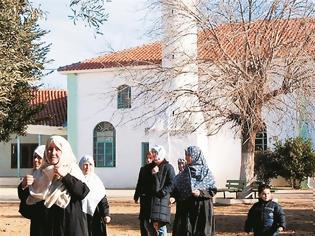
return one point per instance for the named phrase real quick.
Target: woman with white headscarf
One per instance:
(160, 177)
(95, 204)
(194, 188)
(61, 186)
(34, 212)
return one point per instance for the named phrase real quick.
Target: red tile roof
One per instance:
(231, 37)
(142, 55)
(54, 112)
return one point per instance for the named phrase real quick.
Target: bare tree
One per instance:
(255, 59)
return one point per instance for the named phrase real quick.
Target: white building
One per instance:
(101, 98)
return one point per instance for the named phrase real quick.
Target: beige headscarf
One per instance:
(48, 188)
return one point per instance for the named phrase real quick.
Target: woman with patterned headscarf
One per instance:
(194, 188)
(95, 204)
(61, 187)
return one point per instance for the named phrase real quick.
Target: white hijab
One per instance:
(40, 150)
(46, 187)
(96, 186)
(161, 153)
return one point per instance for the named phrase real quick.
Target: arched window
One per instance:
(261, 140)
(124, 96)
(104, 142)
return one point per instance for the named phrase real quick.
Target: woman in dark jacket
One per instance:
(193, 190)
(95, 205)
(36, 213)
(162, 175)
(61, 186)
(141, 192)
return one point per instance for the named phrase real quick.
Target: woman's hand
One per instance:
(196, 193)
(27, 181)
(107, 219)
(61, 171)
(155, 170)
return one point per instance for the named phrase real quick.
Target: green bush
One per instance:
(296, 160)
(266, 166)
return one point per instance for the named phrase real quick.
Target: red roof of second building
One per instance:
(54, 112)
(231, 40)
(143, 55)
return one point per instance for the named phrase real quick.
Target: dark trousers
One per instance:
(143, 231)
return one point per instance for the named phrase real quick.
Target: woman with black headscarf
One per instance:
(193, 190)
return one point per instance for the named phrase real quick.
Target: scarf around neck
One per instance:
(46, 187)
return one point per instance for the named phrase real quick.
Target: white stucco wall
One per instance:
(94, 105)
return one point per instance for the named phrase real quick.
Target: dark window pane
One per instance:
(104, 145)
(26, 155)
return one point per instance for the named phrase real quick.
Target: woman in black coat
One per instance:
(162, 175)
(61, 186)
(36, 213)
(193, 190)
(95, 205)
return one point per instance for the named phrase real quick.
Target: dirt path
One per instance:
(229, 219)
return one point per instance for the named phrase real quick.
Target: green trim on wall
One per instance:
(72, 122)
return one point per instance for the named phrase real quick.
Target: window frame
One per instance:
(102, 158)
(26, 155)
(124, 97)
(261, 141)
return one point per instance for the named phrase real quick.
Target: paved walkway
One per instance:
(9, 194)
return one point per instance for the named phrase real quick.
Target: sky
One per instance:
(126, 27)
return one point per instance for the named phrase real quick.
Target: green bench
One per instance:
(233, 186)
(236, 186)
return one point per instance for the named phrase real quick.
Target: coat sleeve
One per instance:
(103, 207)
(168, 183)
(24, 209)
(249, 221)
(208, 193)
(280, 217)
(77, 189)
(22, 193)
(138, 186)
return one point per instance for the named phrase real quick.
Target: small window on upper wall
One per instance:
(261, 141)
(124, 96)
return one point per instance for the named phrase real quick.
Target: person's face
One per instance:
(265, 195)
(188, 159)
(87, 168)
(53, 154)
(181, 166)
(155, 157)
(37, 161)
(149, 158)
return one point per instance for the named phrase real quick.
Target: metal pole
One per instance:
(39, 139)
(18, 155)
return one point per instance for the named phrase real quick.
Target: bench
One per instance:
(233, 186)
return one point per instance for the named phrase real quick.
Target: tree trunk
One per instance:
(247, 160)
(247, 164)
